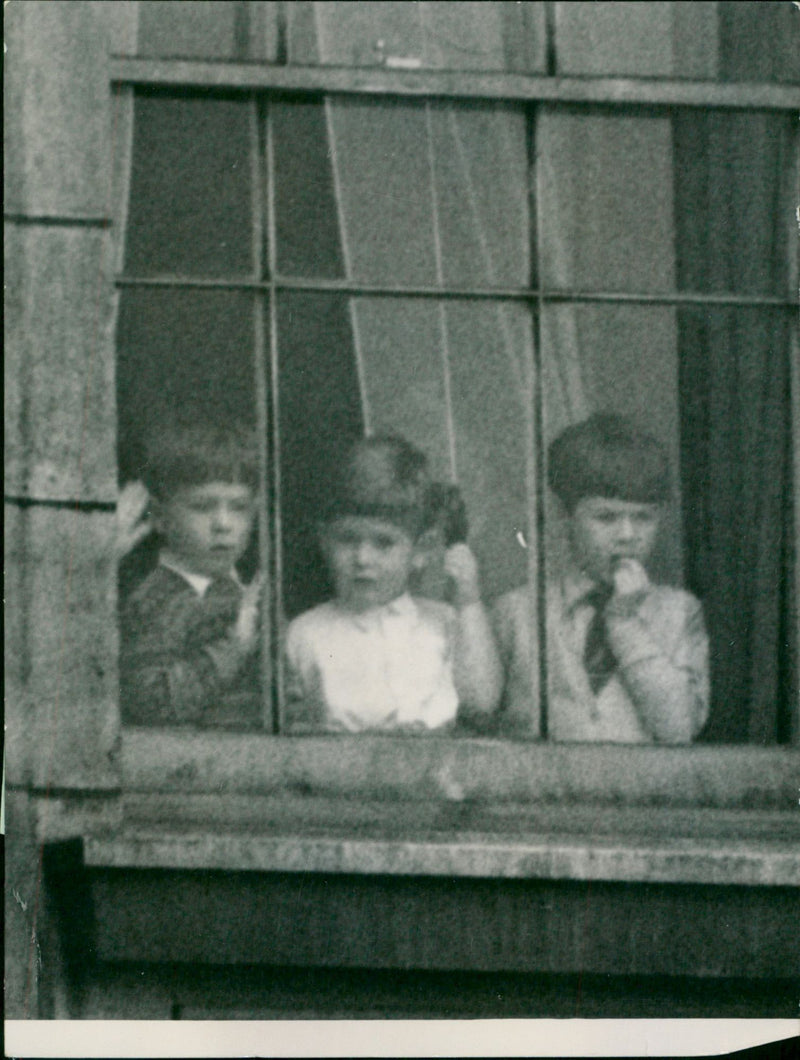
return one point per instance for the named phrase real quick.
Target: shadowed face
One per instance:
(207, 527)
(370, 560)
(603, 531)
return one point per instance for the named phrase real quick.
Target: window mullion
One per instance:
(262, 374)
(276, 675)
(532, 294)
(536, 516)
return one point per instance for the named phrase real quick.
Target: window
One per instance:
(477, 268)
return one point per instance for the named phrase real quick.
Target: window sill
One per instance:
(453, 807)
(458, 771)
(748, 861)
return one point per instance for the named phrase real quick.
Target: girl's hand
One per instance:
(461, 567)
(133, 523)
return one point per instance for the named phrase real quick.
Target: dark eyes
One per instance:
(383, 544)
(640, 518)
(207, 507)
(383, 541)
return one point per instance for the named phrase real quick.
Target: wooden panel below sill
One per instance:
(308, 919)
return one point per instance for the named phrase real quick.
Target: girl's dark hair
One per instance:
(447, 510)
(382, 477)
(181, 455)
(608, 456)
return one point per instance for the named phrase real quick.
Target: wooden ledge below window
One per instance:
(548, 842)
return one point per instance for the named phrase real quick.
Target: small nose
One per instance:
(625, 528)
(222, 517)
(363, 553)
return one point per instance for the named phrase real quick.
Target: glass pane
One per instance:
(306, 212)
(741, 546)
(606, 208)
(600, 359)
(184, 351)
(703, 41)
(649, 201)
(208, 29)
(635, 39)
(402, 193)
(712, 385)
(320, 405)
(758, 42)
(621, 359)
(454, 378)
(185, 388)
(442, 35)
(190, 201)
(734, 201)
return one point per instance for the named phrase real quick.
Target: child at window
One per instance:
(374, 657)
(627, 660)
(189, 632)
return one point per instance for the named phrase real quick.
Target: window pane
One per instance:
(647, 201)
(190, 201)
(185, 363)
(758, 41)
(713, 385)
(402, 193)
(184, 352)
(442, 35)
(606, 208)
(454, 378)
(306, 211)
(622, 359)
(635, 39)
(208, 29)
(320, 407)
(741, 547)
(726, 41)
(734, 201)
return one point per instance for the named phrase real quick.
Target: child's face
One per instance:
(207, 527)
(371, 560)
(604, 531)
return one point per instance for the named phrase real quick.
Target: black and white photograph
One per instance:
(402, 516)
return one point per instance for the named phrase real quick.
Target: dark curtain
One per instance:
(733, 222)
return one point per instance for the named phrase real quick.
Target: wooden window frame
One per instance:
(460, 806)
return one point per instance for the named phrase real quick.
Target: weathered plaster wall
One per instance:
(61, 646)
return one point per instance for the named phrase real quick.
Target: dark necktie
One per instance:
(217, 611)
(223, 593)
(598, 658)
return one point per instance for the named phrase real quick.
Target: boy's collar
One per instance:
(576, 585)
(199, 582)
(401, 606)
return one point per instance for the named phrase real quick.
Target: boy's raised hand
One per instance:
(245, 630)
(461, 566)
(631, 584)
(133, 523)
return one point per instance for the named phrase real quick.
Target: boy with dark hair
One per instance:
(189, 632)
(374, 657)
(627, 660)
